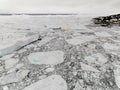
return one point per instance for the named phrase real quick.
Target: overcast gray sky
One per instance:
(59, 5)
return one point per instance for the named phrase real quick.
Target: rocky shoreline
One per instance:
(108, 20)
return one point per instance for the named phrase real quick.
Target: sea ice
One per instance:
(50, 57)
(54, 82)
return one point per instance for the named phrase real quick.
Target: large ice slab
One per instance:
(111, 47)
(54, 82)
(97, 59)
(103, 34)
(80, 40)
(10, 63)
(117, 76)
(86, 67)
(13, 77)
(9, 47)
(51, 57)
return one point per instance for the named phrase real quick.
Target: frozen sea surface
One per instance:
(63, 52)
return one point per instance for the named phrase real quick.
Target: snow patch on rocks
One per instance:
(51, 57)
(54, 82)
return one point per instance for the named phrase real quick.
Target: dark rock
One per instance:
(107, 20)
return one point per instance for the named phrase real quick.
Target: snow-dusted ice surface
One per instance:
(8, 47)
(17, 31)
(53, 57)
(63, 52)
(53, 82)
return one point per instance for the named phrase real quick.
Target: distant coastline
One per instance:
(35, 14)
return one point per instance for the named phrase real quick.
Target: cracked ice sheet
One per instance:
(8, 39)
(8, 46)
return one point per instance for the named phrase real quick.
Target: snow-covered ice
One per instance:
(117, 76)
(8, 47)
(86, 67)
(54, 82)
(10, 63)
(97, 58)
(13, 77)
(51, 57)
(103, 34)
(80, 40)
(111, 47)
(64, 52)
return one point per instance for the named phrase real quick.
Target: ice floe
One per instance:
(80, 40)
(51, 57)
(13, 46)
(13, 77)
(54, 82)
